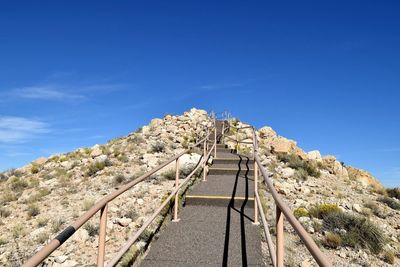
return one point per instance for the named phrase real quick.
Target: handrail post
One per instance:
(102, 236)
(280, 246)
(215, 141)
(177, 192)
(204, 160)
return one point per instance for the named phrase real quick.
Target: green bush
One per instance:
(56, 225)
(295, 162)
(169, 174)
(394, 192)
(359, 231)
(300, 212)
(394, 204)
(321, 210)
(332, 240)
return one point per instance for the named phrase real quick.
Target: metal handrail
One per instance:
(282, 210)
(102, 206)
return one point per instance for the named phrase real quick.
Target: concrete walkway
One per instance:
(215, 227)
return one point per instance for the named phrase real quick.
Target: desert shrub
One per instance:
(87, 204)
(56, 225)
(42, 192)
(375, 209)
(118, 179)
(33, 210)
(295, 162)
(95, 167)
(131, 213)
(389, 257)
(17, 184)
(321, 210)
(136, 139)
(300, 212)
(16, 173)
(35, 169)
(393, 203)
(394, 192)
(8, 196)
(359, 231)
(301, 175)
(42, 221)
(18, 231)
(4, 213)
(34, 182)
(169, 174)
(157, 147)
(3, 242)
(332, 240)
(42, 237)
(92, 229)
(129, 257)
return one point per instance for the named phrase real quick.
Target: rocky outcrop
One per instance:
(364, 177)
(271, 140)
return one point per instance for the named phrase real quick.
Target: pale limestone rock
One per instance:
(287, 172)
(357, 208)
(124, 222)
(314, 155)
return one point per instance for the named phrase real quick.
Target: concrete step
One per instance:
(232, 160)
(208, 236)
(224, 186)
(230, 171)
(220, 201)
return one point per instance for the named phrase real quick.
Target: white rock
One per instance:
(314, 155)
(123, 221)
(357, 208)
(101, 158)
(287, 172)
(140, 201)
(40, 161)
(96, 151)
(61, 259)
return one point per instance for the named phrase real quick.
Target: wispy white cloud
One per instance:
(210, 87)
(388, 150)
(20, 129)
(45, 93)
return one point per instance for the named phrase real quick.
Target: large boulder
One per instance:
(279, 144)
(96, 151)
(314, 155)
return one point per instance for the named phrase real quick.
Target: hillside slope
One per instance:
(346, 210)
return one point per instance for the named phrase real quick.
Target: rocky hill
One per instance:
(353, 218)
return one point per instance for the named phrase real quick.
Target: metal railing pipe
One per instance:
(305, 237)
(268, 237)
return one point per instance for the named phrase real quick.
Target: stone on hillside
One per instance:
(314, 155)
(67, 165)
(357, 208)
(155, 123)
(287, 172)
(61, 259)
(96, 151)
(124, 222)
(335, 167)
(101, 158)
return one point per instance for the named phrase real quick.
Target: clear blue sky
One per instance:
(325, 73)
